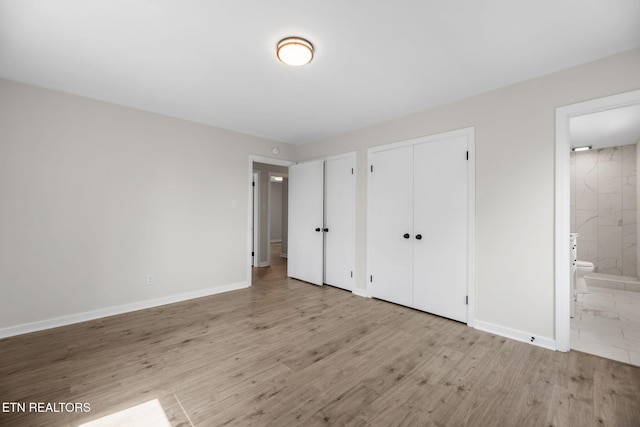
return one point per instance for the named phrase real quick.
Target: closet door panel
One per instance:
(391, 213)
(305, 237)
(339, 221)
(440, 218)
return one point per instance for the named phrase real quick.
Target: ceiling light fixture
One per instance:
(295, 51)
(581, 148)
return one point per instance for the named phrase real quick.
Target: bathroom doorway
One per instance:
(601, 138)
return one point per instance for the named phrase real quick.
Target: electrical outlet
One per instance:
(149, 279)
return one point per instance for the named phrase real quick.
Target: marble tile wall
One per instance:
(603, 208)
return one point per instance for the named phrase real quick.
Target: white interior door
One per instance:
(440, 218)
(306, 194)
(391, 225)
(339, 222)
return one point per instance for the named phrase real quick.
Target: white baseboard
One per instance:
(276, 241)
(264, 264)
(283, 255)
(515, 334)
(112, 311)
(360, 292)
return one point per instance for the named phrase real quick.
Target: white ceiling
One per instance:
(214, 62)
(609, 128)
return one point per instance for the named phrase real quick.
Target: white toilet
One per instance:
(582, 268)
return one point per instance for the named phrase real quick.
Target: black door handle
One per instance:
(318, 229)
(406, 235)
(419, 236)
(326, 230)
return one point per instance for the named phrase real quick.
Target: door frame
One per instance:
(563, 203)
(259, 159)
(256, 218)
(469, 132)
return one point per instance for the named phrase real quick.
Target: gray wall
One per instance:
(94, 196)
(275, 213)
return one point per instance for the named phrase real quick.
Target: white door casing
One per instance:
(255, 226)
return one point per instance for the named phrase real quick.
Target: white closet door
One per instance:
(339, 222)
(440, 217)
(306, 194)
(391, 213)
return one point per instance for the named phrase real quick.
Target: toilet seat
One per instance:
(584, 264)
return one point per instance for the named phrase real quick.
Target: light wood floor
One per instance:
(287, 353)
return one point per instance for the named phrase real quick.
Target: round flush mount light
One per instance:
(295, 51)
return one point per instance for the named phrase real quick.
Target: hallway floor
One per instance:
(607, 324)
(275, 272)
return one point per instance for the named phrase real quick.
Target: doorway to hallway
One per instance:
(265, 248)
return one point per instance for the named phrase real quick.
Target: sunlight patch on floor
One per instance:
(146, 414)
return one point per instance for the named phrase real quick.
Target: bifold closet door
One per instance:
(305, 240)
(339, 222)
(391, 225)
(440, 219)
